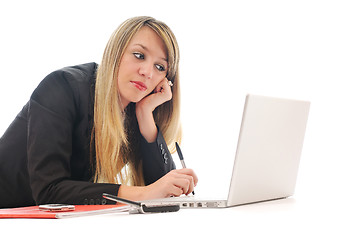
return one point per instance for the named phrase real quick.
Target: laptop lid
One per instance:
(269, 149)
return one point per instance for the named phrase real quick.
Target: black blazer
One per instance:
(45, 152)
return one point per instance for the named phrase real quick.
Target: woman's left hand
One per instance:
(161, 94)
(145, 107)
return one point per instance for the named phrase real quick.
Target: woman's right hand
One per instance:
(174, 183)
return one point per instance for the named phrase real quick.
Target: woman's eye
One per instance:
(160, 67)
(138, 55)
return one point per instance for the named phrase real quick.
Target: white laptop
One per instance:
(267, 155)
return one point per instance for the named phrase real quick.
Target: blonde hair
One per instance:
(116, 132)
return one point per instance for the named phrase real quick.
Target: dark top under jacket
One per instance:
(45, 152)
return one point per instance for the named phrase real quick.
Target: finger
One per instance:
(191, 185)
(189, 172)
(184, 181)
(192, 178)
(174, 188)
(175, 191)
(183, 184)
(158, 88)
(161, 85)
(166, 88)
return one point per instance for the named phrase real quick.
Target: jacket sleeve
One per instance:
(157, 160)
(51, 120)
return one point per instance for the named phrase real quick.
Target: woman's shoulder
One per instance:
(67, 86)
(77, 73)
(80, 72)
(83, 73)
(73, 77)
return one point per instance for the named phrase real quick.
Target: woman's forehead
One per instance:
(147, 39)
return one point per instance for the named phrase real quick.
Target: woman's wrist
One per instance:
(147, 125)
(134, 193)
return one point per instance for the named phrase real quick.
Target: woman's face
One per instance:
(143, 65)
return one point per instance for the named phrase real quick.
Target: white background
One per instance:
(309, 50)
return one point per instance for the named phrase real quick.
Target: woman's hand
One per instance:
(161, 94)
(174, 183)
(145, 107)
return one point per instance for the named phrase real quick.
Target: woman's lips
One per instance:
(140, 85)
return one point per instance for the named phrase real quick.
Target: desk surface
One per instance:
(280, 219)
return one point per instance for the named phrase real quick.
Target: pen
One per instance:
(181, 158)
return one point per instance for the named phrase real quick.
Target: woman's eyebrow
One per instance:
(142, 46)
(146, 49)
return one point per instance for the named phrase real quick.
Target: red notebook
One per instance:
(80, 210)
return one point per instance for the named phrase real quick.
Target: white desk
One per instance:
(282, 219)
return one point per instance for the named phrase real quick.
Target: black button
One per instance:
(97, 202)
(86, 202)
(91, 202)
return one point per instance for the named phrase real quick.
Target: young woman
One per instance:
(89, 129)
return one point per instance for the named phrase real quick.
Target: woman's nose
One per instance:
(146, 70)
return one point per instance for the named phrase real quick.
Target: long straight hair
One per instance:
(116, 132)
